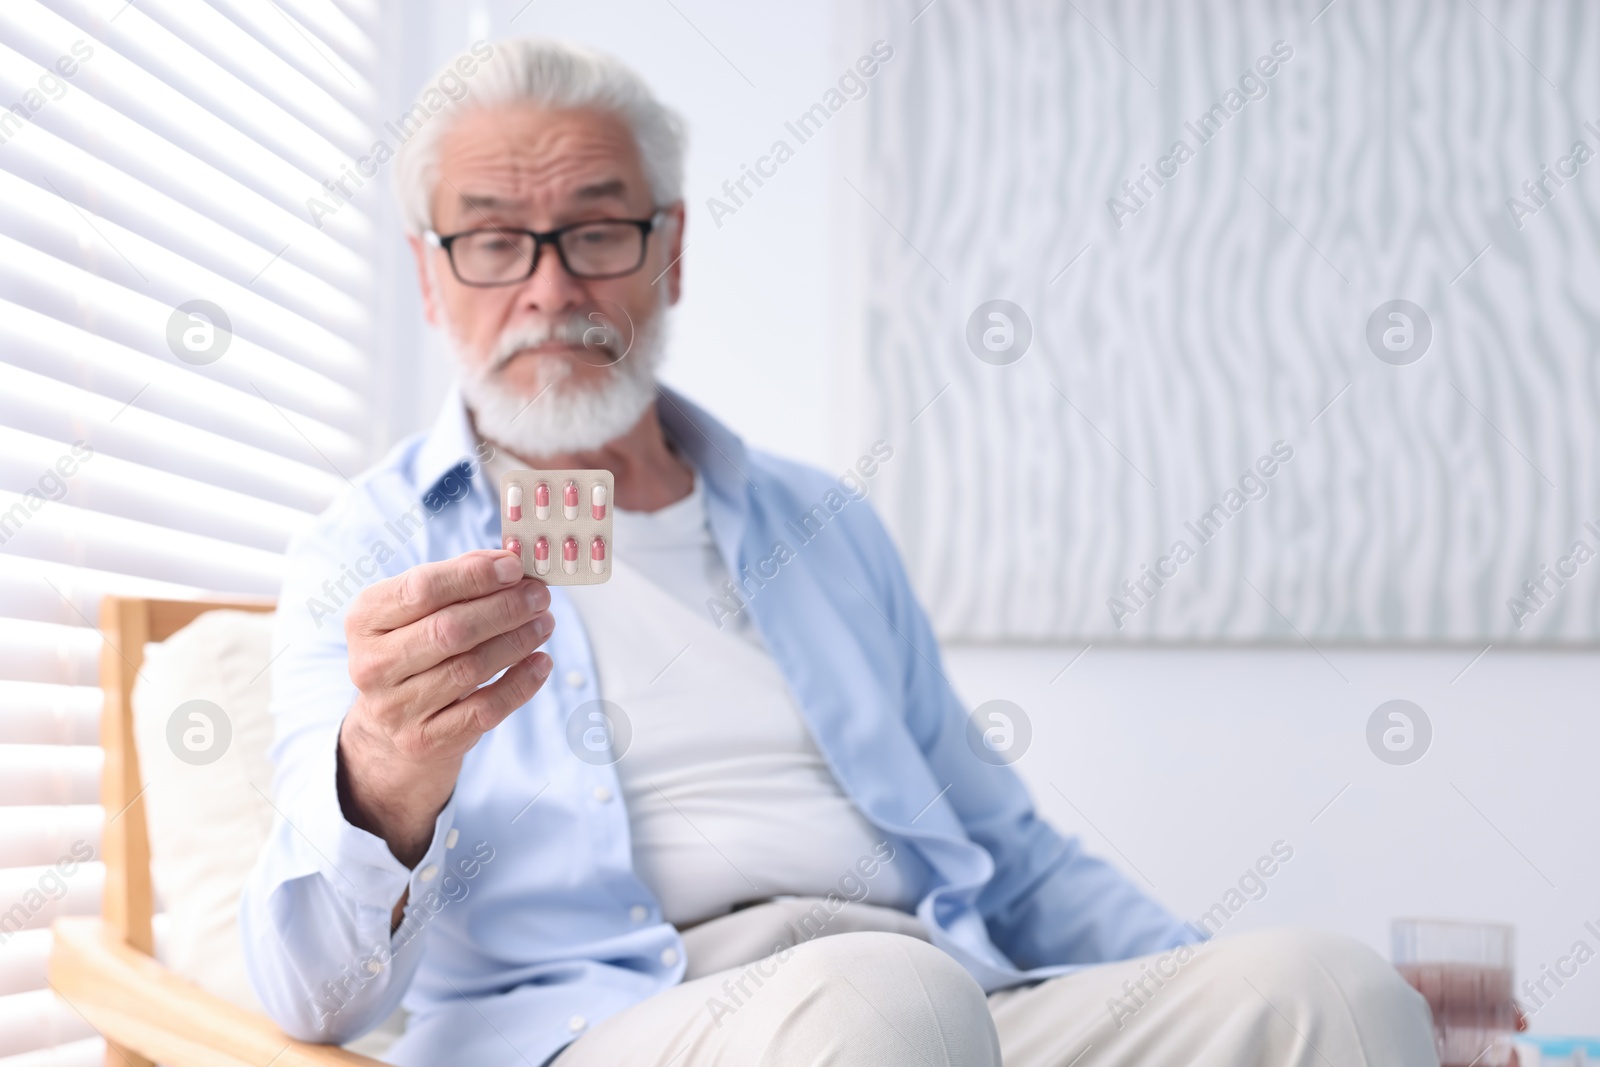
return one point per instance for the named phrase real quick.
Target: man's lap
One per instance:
(843, 990)
(1274, 997)
(879, 998)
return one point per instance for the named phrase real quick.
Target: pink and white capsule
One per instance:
(597, 500)
(514, 545)
(514, 502)
(597, 555)
(569, 555)
(541, 556)
(569, 500)
(541, 501)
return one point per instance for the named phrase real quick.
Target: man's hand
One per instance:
(421, 643)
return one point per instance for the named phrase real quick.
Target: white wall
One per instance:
(1182, 766)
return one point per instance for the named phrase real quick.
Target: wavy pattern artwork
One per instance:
(1372, 268)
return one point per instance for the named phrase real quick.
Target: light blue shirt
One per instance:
(526, 924)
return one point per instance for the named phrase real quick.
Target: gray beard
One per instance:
(558, 417)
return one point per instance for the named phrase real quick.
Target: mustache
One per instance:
(591, 329)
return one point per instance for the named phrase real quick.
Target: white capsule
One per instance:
(514, 502)
(597, 500)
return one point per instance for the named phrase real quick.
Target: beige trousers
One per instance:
(786, 985)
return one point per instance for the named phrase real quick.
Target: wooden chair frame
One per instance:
(105, 968)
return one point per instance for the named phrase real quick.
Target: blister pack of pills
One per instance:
(559, 524)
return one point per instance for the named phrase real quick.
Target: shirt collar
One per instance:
(448, 445)
(722, 460)
(716, 451)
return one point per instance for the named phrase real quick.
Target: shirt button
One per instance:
(576, 1023)
(429, 873)
(451, 838)
(638, 913)
(602, 794)
(575, 679)
(669, 956)
(373, 966)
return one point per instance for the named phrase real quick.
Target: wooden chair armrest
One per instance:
(141, 1006)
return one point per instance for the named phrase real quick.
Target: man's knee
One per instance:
(877, 965)
(1315, 973)
(825, 955)
(1295, 959)
(890, 997)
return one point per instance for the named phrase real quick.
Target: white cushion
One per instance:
(209, 822)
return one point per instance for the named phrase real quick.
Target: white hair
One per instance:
(548, 73)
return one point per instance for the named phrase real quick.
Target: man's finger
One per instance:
(424, 589)
(468, 718)
(458, 676)
(458, 628)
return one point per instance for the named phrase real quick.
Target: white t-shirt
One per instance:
(729, 799)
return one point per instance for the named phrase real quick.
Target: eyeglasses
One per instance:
(606, 248)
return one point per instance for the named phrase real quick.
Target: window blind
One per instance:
(184, 361)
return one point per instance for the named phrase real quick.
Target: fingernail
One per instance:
(508, 569)
(546, 625)
(542, 664)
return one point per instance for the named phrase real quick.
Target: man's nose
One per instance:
(550, 287)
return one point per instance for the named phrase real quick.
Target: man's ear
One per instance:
(430, 296)
(675, 251)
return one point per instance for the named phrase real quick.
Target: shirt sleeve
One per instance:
(316, 912)
(1049, 902)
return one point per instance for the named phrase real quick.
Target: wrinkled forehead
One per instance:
(540, 165)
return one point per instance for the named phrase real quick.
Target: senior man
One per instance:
(783, 849)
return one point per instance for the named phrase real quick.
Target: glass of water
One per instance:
(1464, 970)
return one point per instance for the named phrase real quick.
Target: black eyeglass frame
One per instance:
(548, 237)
